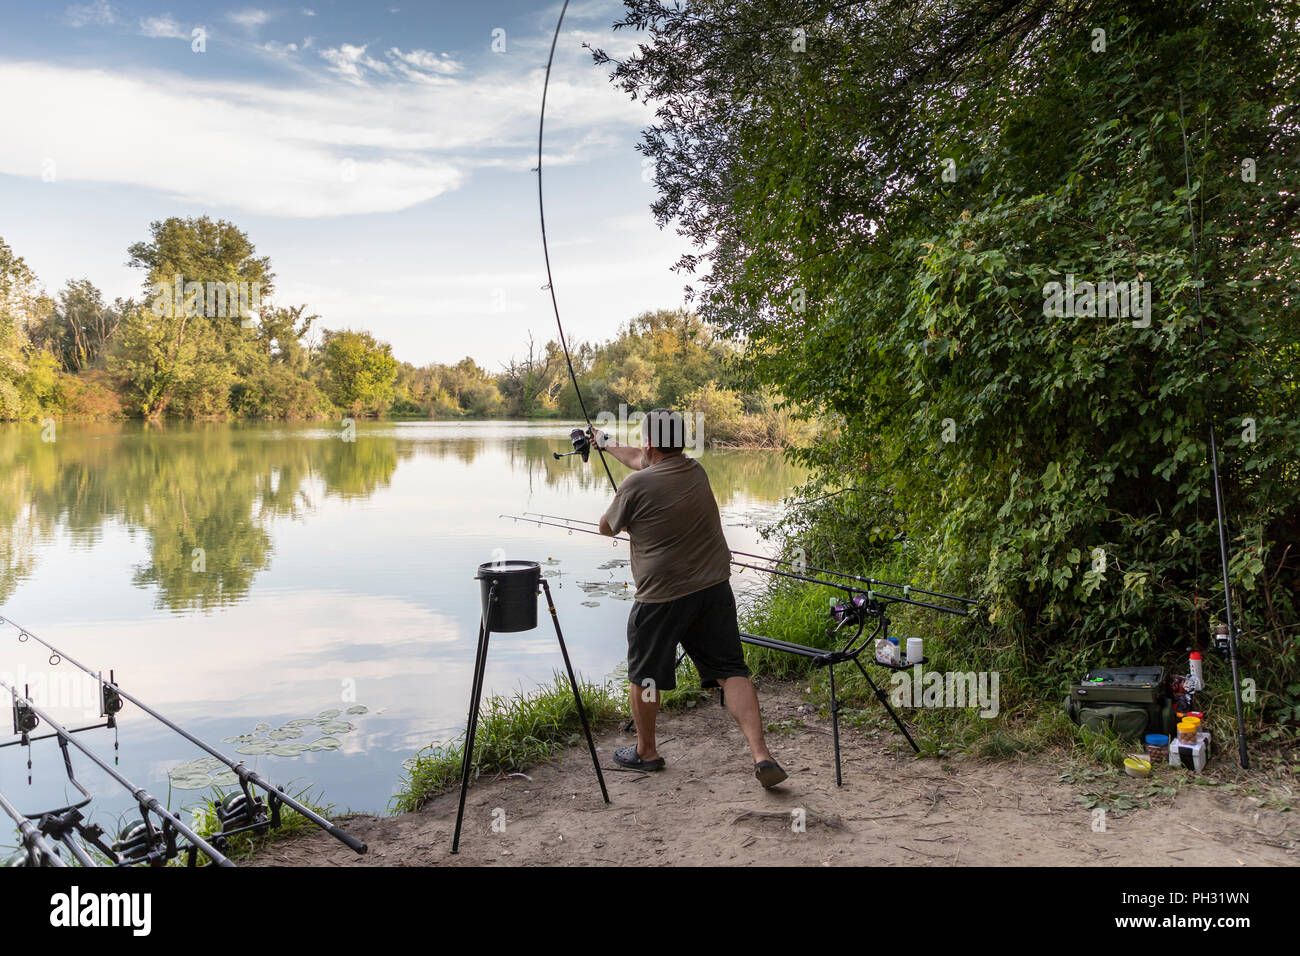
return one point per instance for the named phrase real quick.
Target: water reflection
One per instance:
(205, 496)
(327, 567)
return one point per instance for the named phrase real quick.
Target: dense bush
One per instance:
(880, 216)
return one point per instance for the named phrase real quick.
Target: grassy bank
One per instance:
(514, 733)
(521, 730)
(524, 729)
(243, 846)
(1030, 719)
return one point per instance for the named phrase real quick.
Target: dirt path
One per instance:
(706, 808)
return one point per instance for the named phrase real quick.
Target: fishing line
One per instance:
(546, 252)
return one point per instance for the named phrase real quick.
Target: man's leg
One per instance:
(742, 701)
(644, 712)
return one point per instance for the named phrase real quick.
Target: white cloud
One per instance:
(308, 12)
(419, 66)
(320, 150)
(162, 27)
(98, 13)
(427, 61)
(350, 61)
(279, 49)
(249, 19)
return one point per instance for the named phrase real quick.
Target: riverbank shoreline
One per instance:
(705, 808)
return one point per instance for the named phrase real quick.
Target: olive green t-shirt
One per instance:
(672, 518)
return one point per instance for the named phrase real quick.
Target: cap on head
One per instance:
(664, 429)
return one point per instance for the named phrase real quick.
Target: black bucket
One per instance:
(514, 606)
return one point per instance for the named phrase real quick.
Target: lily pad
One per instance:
(255, 747)
(327, 714)
(288, 750)
(285, 733)
(300, 722)
(198, 765)
(336, 727)
(591, 604)
(227, 779)
(190, 781)
(325, 743)
(261, 727)
(358, 709)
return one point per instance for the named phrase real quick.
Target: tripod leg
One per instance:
(577, 697)
(884, 699)
(471, 725)
(835, 725)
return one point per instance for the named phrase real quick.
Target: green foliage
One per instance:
(359, 371)
(513, 734)
(1057, 465)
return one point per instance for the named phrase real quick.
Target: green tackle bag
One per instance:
(1132, 700)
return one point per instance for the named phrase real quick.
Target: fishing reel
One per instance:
(1221, 644)
(142, 842)
(581, 442)
(854, 611)
(243, 811)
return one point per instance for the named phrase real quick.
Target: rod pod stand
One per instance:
(503, 584)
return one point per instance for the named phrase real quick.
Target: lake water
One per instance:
(240, 578)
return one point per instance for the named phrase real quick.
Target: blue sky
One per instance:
(379, 153)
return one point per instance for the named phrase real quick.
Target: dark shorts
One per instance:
(704, 623)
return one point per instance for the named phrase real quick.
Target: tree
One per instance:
(79, 328)
(22, 308)
(359, 371)
(531, 385)
(201, 277)
(879, 214)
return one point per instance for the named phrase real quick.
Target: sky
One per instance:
(381, 155)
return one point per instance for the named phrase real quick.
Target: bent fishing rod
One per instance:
(870, 594)
(546, 252)
(153, 846)
(907, 589)
(39, 852)
(244, 811)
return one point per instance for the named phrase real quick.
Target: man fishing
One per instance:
(682, 569)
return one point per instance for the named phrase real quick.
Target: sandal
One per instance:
(769, 773)
(628, 757)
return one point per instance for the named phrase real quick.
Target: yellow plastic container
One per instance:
(1137, 766)
(1187, 731)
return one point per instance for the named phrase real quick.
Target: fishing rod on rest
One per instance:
(871, 595)
(1228, 646)
(907, 589)
(141, 842)
(39, 852)
(244, 810)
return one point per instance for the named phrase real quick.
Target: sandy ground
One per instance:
(706, 808)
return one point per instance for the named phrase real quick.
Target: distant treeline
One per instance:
(200, 345)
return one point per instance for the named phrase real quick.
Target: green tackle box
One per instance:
(1132, 700)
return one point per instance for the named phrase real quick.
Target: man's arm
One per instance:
(629, 455)
(605, 528)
